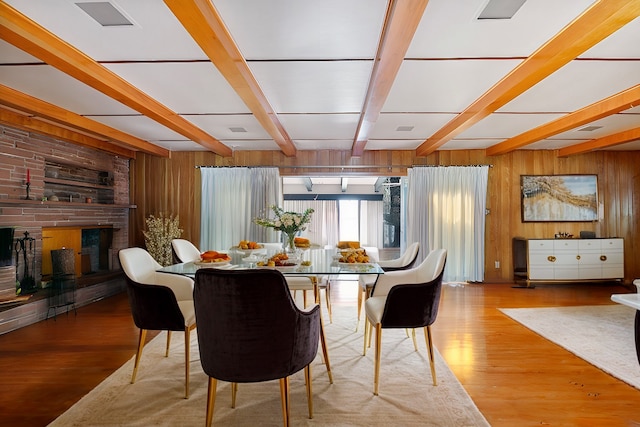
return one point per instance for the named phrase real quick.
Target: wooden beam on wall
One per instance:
(202, 21)
(20, 31)
(32, 124)
(606, 107)
(604, 142)
(598, 22)
(26, 103)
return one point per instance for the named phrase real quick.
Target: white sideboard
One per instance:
(568, 259)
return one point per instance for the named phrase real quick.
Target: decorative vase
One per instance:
(289, 245)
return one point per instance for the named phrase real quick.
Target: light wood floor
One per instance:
(515, 377)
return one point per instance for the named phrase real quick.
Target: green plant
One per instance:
(160, 232)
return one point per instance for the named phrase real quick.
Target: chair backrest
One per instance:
(405, 261)
(414, 305)
(185, 251)
(249, 328)
(139, 266)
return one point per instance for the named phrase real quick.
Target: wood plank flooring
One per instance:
(515, 377)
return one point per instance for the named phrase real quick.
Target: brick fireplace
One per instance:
(26, 155)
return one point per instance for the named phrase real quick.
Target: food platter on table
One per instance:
(284, 268)
(212, 264)
(213, 258)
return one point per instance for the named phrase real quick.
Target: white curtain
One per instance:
(323, 229)
(231, 199)
(371, 223)
(446, 208)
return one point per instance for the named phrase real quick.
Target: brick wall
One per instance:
(21, 150)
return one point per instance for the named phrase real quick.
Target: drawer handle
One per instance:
(578, 257)
(551, 258)
(603, 257)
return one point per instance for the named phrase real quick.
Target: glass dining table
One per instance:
(313, 263)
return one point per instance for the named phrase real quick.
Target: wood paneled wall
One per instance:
(172, 186)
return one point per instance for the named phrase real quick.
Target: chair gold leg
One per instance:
(367, 331)
(166, 353)
(234, 393)
(307, 378)
(376, 376)
(427, 337)
(211, 400)
(304, 299)
(413, 336)
(360, 292)
(323, 340)
(327, 297)
(284, 396)
(141, 338)
(187, 347)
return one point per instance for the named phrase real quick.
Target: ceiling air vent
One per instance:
(589, 128)
(404, 128)
(501, 9)
(105, 13)
(237, 129)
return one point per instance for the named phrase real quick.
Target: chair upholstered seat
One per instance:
(159, 301)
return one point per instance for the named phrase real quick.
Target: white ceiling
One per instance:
(313, 61)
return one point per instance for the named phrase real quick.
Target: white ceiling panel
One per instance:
(284, 29)
(53, 86)
(612, 124)
(314, 87)
(9, 54)
(443, 86)
(506, 125)
(251, 144)
(624, 43)
(449, 29)
(320, 126)
(140, 126)
(184, 87)
(222, 126)
(424, 125)
(396, 144)
(329, 144)
(180, 145)
(155, 34)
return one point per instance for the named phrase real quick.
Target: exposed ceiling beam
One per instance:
(614, 104)
(599, 21)
(34, 106)
(604, 142)
(35, 40)
(32, 124)
(401, 22)
(202, 21)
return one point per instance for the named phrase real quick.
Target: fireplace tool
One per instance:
(27, 247)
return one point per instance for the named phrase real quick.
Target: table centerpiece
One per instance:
(289, 223)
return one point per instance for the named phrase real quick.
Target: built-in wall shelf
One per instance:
(59, 204)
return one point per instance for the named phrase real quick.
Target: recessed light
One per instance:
(105, 13)
(501, 9)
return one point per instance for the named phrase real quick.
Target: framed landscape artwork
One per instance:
(559, 198)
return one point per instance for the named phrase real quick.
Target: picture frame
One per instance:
(559, 198)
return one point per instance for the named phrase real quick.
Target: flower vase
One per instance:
(289, 244)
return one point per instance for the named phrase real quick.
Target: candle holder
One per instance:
(28, 184)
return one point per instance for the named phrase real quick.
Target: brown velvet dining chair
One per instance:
(406, 299)
(251, 330)
(159, 301)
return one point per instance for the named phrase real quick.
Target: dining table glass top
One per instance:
(314, 261)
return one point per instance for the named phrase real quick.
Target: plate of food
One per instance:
(302, 242)
(213, 259)
(279, 261)
(247, 247)
(355, 256)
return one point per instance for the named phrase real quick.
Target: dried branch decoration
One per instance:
(160, 232)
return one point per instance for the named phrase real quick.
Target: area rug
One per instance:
(601, 334)
(407, 396)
